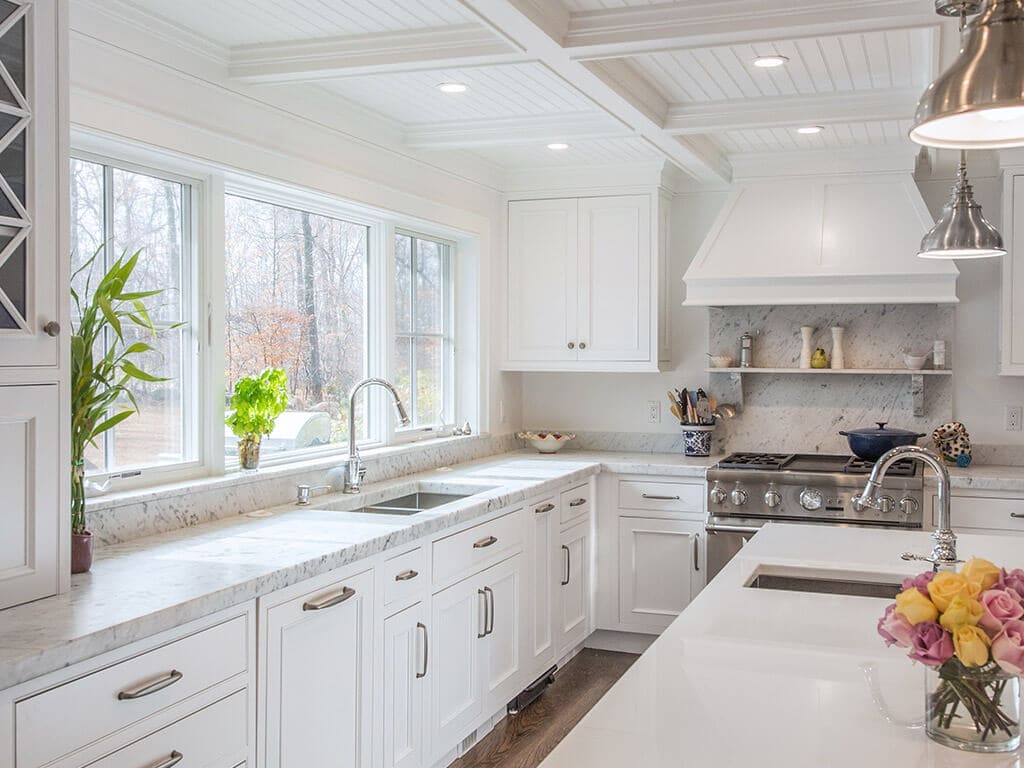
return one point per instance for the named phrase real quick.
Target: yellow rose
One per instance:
(911, 604)
(962, 611)
(980, 572)
(971, 645)
(946, 585)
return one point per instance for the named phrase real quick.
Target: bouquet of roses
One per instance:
(969, 626)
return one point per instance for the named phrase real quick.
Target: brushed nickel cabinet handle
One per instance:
(571, 345)
(52, 328)
(696, 551)
(483, 633)
(546, 508)
(145, 690)
(173, 759)
(489, 593)
(577, 502)
(485, 542)
(583, 345)
(426, 650)
(407, 575)
(568, 565)
(329, 602)
(1018, 515)
(655, 497)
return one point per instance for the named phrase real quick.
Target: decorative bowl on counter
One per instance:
(914, 362)
(546, 442)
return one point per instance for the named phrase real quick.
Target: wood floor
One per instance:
(524, 740)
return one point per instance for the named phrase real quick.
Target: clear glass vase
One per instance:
(976, 709)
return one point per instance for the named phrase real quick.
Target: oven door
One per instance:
(726, 537)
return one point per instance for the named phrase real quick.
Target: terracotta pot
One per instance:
(81, 552)
(249, 452)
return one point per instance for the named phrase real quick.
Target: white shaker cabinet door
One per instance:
(617, 308)
(543, 551)
(659, 562)
(29, 472)
(318, 676)
(406, 682)
(1012, 324)
(506, 629)
(542, 280)
(574, 583)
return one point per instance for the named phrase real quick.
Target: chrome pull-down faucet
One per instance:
(943, 556)
(354, 469)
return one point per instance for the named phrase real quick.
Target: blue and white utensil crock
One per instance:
(697, 440)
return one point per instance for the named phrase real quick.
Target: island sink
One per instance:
(825, 584)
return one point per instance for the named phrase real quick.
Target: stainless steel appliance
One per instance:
(746, 490)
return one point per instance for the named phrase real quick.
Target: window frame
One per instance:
(191, 290)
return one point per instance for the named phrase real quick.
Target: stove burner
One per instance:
(801, 462)
(902, 468)
(755, 461)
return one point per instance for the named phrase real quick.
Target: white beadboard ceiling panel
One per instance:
(513, 90)
(249, 22)
(576, 6)
(892, 59)
(838, 136)
(587, 152)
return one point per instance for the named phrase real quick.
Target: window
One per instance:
(132, 209)
(422, 348)
(296, 298)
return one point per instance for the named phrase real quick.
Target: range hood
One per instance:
(820, 239)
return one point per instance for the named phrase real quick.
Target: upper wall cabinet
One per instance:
(1011, 360)
(583, 284)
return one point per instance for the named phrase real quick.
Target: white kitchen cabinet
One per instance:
(988, 512)
(660, 570)
(544, 556)
(574, 595)
(315, 673)
(507, 626)
(406, 687)
(1011, 333)
(583, 284)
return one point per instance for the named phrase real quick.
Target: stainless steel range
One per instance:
(746, 490)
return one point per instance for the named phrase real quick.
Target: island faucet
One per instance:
(943, 556)
(354, 470)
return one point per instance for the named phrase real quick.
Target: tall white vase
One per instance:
(838, 363)
(807, 349)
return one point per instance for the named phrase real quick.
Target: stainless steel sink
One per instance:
(826, 585)
(412, 503)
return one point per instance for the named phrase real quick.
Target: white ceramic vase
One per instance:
(837, 347)
(807, 349)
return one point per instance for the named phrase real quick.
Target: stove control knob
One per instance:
(738, 496)
(772, 497)
(886, 505)
(718, 494)
(909, 506)
(811, 499)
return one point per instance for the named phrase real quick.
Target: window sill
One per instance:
(280, 471)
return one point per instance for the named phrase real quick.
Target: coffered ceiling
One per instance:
(616, 80)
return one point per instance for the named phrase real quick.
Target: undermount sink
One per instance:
(826, 585)
(412, 503)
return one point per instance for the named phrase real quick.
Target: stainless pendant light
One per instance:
(978, 103)
(962, 231)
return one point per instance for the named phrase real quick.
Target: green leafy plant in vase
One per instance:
(255, 406)
(103, 365)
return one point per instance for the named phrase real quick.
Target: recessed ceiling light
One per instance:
(770, 62)
(558, 145)
(452, 87)
(810, 129)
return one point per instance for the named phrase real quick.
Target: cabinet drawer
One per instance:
(575, 503)
(668, 497)
(213, 737)
(985, 512)
(405, 576)
(125, 693)
(469, 551)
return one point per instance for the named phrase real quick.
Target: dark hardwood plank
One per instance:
(524, 740)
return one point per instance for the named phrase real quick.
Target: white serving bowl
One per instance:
(914, 362)
(547, 442)
(721, 361)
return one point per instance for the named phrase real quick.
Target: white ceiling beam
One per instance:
(619, 32)
(524, 23)
(538, 129)
(791, 111)
(464, 45)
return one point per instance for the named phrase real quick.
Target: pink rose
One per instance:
(920, 582)
(1008, 647)
(1012, 581)
(930, 644)
(895, 628)
(1000, 607)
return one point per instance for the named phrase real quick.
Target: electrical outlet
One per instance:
(654, 411)
(1014, 416)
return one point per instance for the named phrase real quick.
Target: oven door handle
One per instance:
(714, 528)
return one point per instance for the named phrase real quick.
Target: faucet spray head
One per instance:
(403, 416)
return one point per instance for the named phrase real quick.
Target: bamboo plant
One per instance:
(102, 361)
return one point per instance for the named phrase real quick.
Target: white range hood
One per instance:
(820, 239)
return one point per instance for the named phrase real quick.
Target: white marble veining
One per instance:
(1004, 479)
(756, 677)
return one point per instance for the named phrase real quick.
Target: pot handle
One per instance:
(881, 424)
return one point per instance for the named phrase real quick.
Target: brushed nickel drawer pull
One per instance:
(406, 575)
(1018, 515)
(426, 649)
(145, 690)
(485, 542)
(174, 758)
(655, 497)
(490, 595)
(329, 602)
(483, 632)
(696, 549)
(546, 508)
(577, 502)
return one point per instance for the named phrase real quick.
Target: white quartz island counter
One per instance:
(758, 677)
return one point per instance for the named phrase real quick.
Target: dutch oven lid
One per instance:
(881, 431)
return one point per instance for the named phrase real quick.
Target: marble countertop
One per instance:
(149, 585)
(988, 477)
(765, 677)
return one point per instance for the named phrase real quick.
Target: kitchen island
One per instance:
(765, 677)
